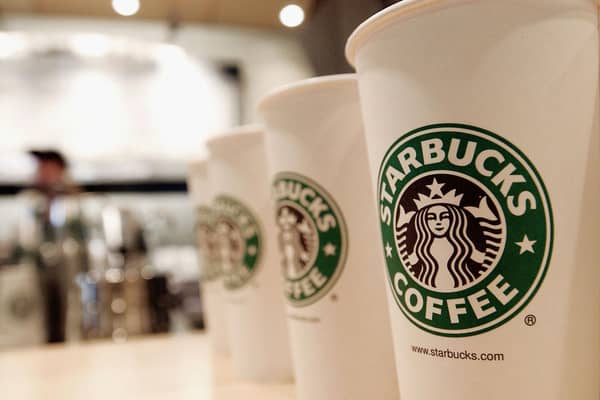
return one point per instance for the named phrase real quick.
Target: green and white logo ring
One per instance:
(313, 239)
(239, 241)
(467, 228)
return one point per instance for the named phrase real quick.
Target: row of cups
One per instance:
(426, 228)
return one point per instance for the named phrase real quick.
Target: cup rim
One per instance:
(304, 85)
(223, 140)
(198, 165)
(381, 20)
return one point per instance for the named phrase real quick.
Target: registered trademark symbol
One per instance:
(530, 320)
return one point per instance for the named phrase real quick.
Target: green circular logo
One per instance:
(238, 241)
(312, 238)
(206, 243)
(467, 228)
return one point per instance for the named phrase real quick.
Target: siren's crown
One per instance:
(437, 196)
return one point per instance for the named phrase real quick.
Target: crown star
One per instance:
(436, 189)
(436, 196)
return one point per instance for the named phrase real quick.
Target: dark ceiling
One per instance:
(325, 33)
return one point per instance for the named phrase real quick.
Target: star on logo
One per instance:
(436, 188)
(526, 245)
(388, 250)
(329, 249)
(252, 250)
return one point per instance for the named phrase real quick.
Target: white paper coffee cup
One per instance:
(247, 249)
(328, 240)
(482, 127)
(211, 279)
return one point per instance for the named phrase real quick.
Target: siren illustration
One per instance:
(230, 246)
(208, 247)
(297, 242)
(204, 237)
(446, 240)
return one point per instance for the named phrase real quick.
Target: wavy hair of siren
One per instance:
(458, 238)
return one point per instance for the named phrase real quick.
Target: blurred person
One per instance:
(51, 181)
(52, 178)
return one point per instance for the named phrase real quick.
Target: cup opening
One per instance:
(198, 166)
(305, 85)
(244, 135)
(385, 17)
(381, 20)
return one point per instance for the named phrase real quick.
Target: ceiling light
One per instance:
(126, 8)
(291, 15)
(91, 45)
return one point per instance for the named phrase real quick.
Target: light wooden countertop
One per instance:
(166, 368)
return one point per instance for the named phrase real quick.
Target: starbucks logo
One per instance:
(449, 240)
(207, 243)
(238, 241)
(467, 228)
(312, 238)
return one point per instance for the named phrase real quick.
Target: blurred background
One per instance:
(103, 103)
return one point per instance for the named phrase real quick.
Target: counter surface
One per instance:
(165, 368)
